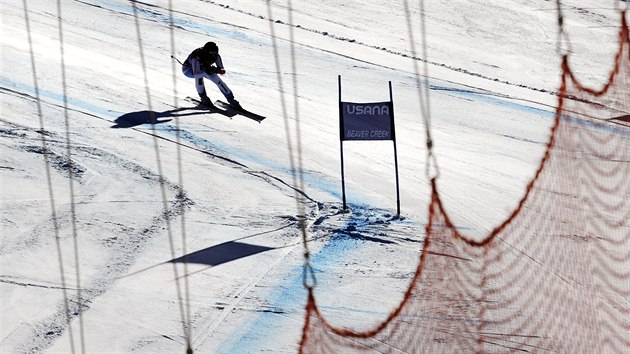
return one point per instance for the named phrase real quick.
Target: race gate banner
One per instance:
(367, 121)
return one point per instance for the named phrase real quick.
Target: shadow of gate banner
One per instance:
(553, 277)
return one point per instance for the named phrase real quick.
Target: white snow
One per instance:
(494, 70)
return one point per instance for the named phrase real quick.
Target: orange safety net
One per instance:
(554, 277)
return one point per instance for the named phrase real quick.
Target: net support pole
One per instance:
(391, 112)
(343, 182)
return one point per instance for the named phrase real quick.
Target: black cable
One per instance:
(180, 195)
(51, 193)
(423, 89)
(167, 214)
(298, 178)
(73, 218)
(563, 36)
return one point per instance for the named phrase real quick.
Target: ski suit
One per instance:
(199, 65)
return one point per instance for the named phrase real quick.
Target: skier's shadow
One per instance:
(133, 119)
(622, 118)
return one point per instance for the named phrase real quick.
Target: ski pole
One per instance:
(180, 63)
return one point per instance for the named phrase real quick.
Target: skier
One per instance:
(205, 62)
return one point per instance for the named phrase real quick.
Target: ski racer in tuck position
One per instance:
(205, 62)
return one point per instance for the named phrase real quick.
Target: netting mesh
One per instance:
(555, 276)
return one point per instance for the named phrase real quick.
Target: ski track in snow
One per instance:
(122, 251)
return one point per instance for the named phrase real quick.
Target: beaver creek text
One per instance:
(382, 134)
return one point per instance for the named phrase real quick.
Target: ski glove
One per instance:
(214, 70)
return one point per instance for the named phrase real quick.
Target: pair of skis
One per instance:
(227, 110)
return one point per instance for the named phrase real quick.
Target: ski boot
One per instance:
(205, 101)
(234, 104)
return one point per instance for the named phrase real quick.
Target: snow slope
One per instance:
(493, 74)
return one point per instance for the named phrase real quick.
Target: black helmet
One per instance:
(211, 48)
